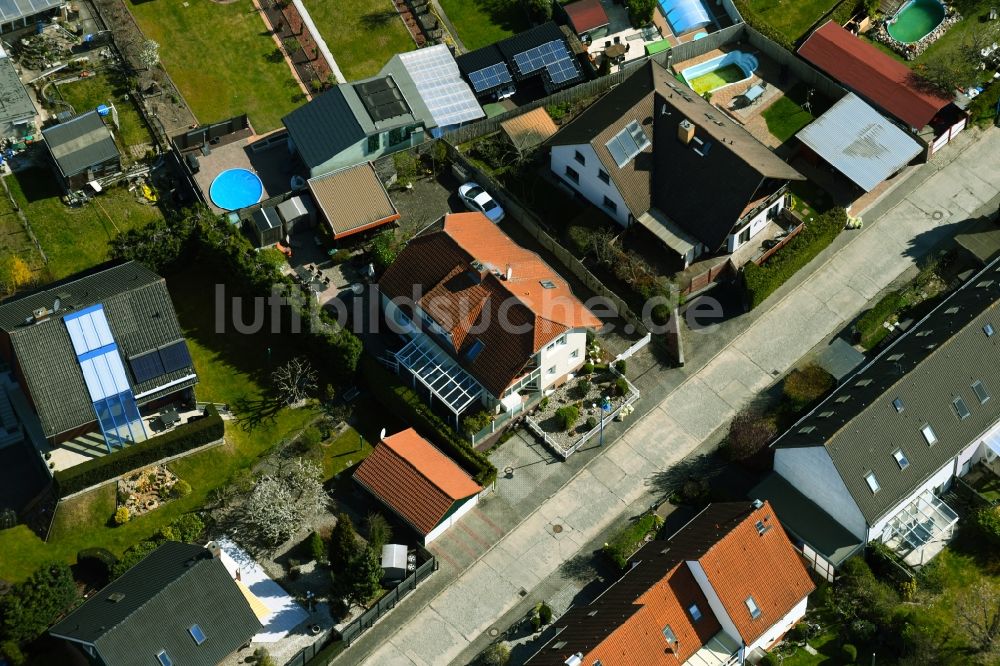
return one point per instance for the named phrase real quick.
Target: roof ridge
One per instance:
(418, 470)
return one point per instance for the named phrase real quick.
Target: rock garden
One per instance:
(144, 490)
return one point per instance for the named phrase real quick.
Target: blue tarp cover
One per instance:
(685, 15)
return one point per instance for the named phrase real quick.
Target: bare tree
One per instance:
(294, 380)
(977, 612)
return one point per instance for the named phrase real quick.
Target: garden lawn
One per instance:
(785, 118)
(225, 365)
(107, 88)
(14, 239)
(222, 58)
(483, 22)
(973, 13)
(361, 34)
(75, 238)
(792, 18)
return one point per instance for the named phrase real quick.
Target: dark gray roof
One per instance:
(323, 127)
(174, 587)
(80, 142)
(673, 177)
(139, 312)
(15, 104)
(805, 521)
(934, 362)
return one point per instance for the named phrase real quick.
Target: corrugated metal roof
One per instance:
(15, 104)
(352, 200)
(529, 129)
(860, 142)
(176, 586)
(928, 367)
(80, 142)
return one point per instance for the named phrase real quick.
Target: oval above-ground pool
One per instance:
(916, 20)
(236, 188)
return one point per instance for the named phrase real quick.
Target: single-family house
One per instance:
(178, 605)
(485, 321)
(879, 454)
(721, 590)
(17, 112)
(885, 83)
(859, 142)
(92, 350)
(537, 62)
(417, 93)
(653, 152)
(352, 200)
(83, 150)
(588, 19)
(418, 483)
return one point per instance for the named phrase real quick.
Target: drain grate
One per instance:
(557, 528)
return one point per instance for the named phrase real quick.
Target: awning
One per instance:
(440, 373)
(672, 236)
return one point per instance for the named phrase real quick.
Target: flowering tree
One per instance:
(149, 55)
(279, 505)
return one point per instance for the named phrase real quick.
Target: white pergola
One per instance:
(441, 374)
(924, 520)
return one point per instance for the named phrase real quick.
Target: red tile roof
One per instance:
(625, 624)
(415, 479)
(457, 274)
(586, 15)
(877, 77)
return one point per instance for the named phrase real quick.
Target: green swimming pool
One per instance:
(916, 20)
(717, 78)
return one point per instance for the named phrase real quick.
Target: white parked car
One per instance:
(479, 200)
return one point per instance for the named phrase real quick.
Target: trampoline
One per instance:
(236, 188)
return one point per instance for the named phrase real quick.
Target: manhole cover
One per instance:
(937, 215)
(557, 528)
(522, 592)
(494, 632)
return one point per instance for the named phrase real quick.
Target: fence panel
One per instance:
(697, 47)
(798, 67)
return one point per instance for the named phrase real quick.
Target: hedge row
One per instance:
(983, 109)
(761, 281)
(180, 439)
(623, 545)
(761, 25)
(869, 326)
(404, 402)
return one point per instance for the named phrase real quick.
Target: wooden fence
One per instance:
(762, 259)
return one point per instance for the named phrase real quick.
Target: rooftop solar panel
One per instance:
(562, 71)
(490, 77)
(175, 356)
(146, 367)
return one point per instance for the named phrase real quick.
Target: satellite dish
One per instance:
(56, 306)
(381, 435)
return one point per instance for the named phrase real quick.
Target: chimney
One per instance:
(214, 548)
(685, 131)
(509, 273)
(40, 314)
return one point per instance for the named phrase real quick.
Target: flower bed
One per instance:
(146, 489)
(599, 384)
(911, 50)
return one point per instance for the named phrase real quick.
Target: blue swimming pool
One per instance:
(236, 188)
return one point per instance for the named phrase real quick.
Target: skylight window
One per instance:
(929, 435)
(961, 408)
(825, 415)
(474, 350)
(752, 607)
(980, 391)
(669, 634)
(842, 399)
(895, 357)
(988, 330)
(806, 430)
(197, 634)
(900, 459)
(872, 482)
(548, 284)
(164, 658)
(695, 612)
(863, 383)
(898, 404)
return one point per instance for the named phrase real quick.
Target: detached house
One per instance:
(723, 589)
(653, 152)
(879, 455)
(92, 350)
(485, 321)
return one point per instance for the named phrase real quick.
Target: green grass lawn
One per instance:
(226, 365)
(826, 644)
(222, 58)
(361, 34)
(107, 88)
(972, 11)
(482, 22)
(792, 18)
(75, 238)
(785, 118)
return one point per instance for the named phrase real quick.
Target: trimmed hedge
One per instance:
(869, 326)
(179, 440)
(762, 281)
(983, 109)
(402, 401)
(624, 544)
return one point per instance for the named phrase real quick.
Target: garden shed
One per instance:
(266, 226)
(296, 213)
(83, 149)
(394, 561)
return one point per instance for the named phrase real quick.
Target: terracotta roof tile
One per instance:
(415, 479)
(458, 275)
(877, 77)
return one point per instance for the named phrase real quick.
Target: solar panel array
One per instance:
(11, 10)
(628, 143)
(146, 367)
(490, 77)
(562, 71)
(168, 358)
(553, 56)
(175, 356)
(440, 85)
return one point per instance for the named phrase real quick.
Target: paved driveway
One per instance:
(937, 199)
